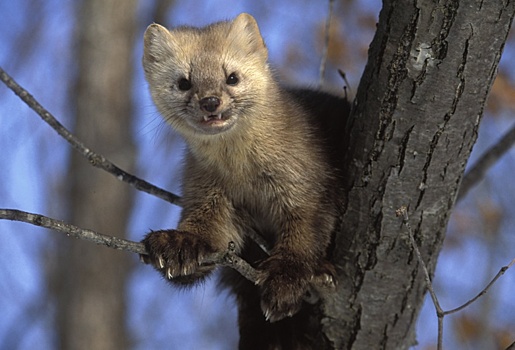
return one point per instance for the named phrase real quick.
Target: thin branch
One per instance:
(95, 159)
(325, 49)
(484, 291)
(403, 211)
(489, 158)
(72, 230)
(227, 258)
(230, 259)
(346, 85)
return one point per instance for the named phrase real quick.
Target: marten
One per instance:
(261, 158)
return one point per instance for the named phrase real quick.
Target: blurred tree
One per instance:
(89, 281)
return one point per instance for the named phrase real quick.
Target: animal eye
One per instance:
(184, 84)
(232, 79)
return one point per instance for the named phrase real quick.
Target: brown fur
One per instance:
(268, 165)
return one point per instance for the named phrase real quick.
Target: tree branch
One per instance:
(489, 158)
(72, 230)
(227, 258)
(325, 49)
(403, 211)
(484, 291)
(97, 160)
(440, 313)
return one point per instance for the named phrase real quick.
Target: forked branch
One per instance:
(440, 313)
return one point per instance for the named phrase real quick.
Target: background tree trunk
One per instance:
(90, 281)
(418, 107)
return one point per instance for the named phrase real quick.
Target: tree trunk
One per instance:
(90, 282)
(417, 112)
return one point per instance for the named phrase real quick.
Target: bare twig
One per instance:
(230, 259)
(440, 313)
(72, 230)
(325, 49)
(95, 159)
(227, 258)
(484, 291)
(489, 158)
(403, 211)
(346, 85)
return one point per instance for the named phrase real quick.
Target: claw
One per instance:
(161, 262)
(267, 315)
(329, 280)
(169, 273)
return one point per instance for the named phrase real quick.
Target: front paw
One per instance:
(177, 255)
(284, 283)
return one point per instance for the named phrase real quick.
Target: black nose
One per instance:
(210, 104)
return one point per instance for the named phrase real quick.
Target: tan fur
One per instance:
(267, 166)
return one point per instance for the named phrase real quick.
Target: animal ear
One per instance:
(245, 30)
(157, 43)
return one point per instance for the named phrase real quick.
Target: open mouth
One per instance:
(215, 123)
(215, 118)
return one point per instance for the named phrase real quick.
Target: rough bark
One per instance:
(417, 112)
(90, 281)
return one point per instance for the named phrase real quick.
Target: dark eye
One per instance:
(184, 84)
(232, 79)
